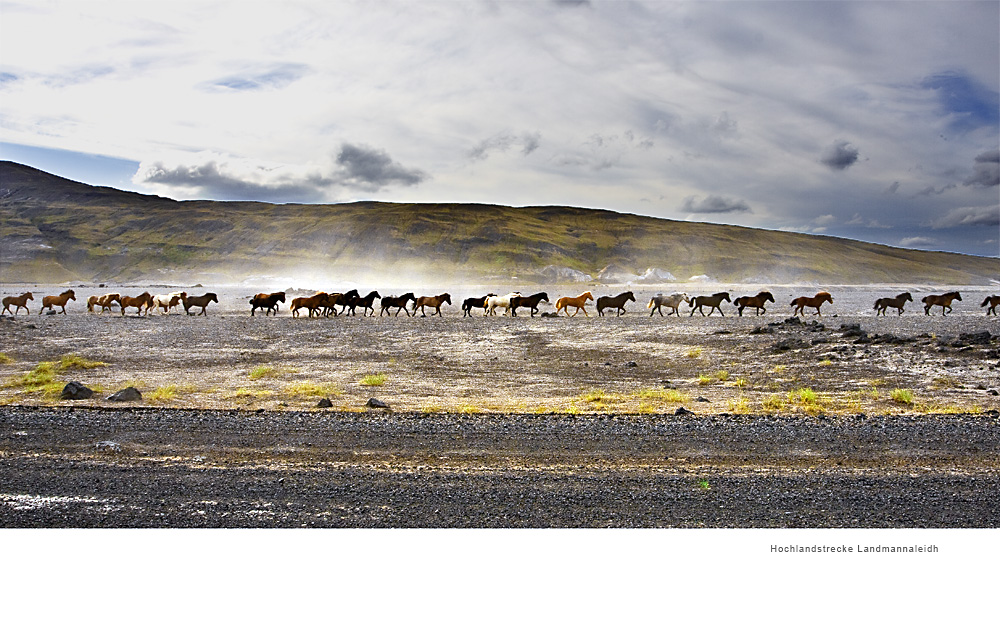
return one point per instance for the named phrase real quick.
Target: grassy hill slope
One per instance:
(53, 230)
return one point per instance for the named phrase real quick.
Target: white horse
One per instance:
(493, 301)
(167, 302)
(670, 301)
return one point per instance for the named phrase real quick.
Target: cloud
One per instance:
(358, 168)
(840, 155)
(968, 103)
(528, 141)
(714, 204)
(970, 216)
(916, 242)
(987, 170)
(274, 76)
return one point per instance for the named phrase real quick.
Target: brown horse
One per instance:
(51, 301)
(578, 302)
(199, 300)
(756, 302)
(616, 302)
(670, 301)
(311, 304)
(529, 301)
(18, 302)
(712, 301)
(993, 301)
(434, 302)
(812, 302)
(944, 301)
(142, 303)
(267, 301)
(897, 302)
(397, 302)
(475, 302)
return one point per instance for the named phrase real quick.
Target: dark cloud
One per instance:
(714, 204)
(970, 216)
(357, 167)
(840, 155)
(529, 143)
(986, 170)
(213, 183)
(930, 190)
(371, 169)
(271, 77)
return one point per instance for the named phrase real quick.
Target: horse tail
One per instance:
(876, 304)
(650, 305)
(985, 302)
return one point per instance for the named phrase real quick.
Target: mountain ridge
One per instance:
(54, 229)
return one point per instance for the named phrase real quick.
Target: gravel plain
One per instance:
(505, 422)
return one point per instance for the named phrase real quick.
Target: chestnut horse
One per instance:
(51, 301)
(712, 301)
(267, 301)
(18, 302)
(142, 303)
(434, 302)
(311, 304)
(199, 300)
(577, 302)
(813, 302)
(616, 302)
(993, 301)
(897, 302)
(530, 301)
(397, 302)
(670, 301)
(474, 302)
(944, 301)
(756, 302)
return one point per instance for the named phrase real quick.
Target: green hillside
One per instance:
(54, 230)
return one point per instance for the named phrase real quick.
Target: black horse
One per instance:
(618, 302)
(474, 302)
(397, 302)
(267, 301)
(530, 301)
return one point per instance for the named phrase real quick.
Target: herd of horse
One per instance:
(322, 304)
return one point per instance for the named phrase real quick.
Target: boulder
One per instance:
(76, 390)
(130, 394)
(324, 403)
(553, 273)
(653, 275)
(614, 274)
(376, 403)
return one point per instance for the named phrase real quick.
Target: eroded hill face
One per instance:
(55, 230)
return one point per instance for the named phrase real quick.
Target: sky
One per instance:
(877, 121)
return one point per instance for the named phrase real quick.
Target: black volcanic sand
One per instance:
(141, 467)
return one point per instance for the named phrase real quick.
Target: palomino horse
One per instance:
(51, 301)
(813, 302)
(616, 302)
(434, 302)
(142, 303)
(367, 303)
(577, 302)
(944, 301)
(670, 301)
(712, 301)
(169, 301)
(756, 302)
(397, 302)
(201, 301)
(18, 302)
(475, 302)
(897, 302)
(311, 304)
(992, 301)
(104, 301)
(267, 301)
(530, 301)
(503, 301)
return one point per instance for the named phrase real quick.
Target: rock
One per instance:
(130, 394)
(76, 390)
(614, 274)
(324, 403)
(761, 330)
(631, 365)
(553, 273)
(376, 403)
(653, 275)
(789, 344)
(973, 339)
(702, 399)
(792, 321)
(683, 411)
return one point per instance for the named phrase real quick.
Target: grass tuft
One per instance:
(374, 379)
